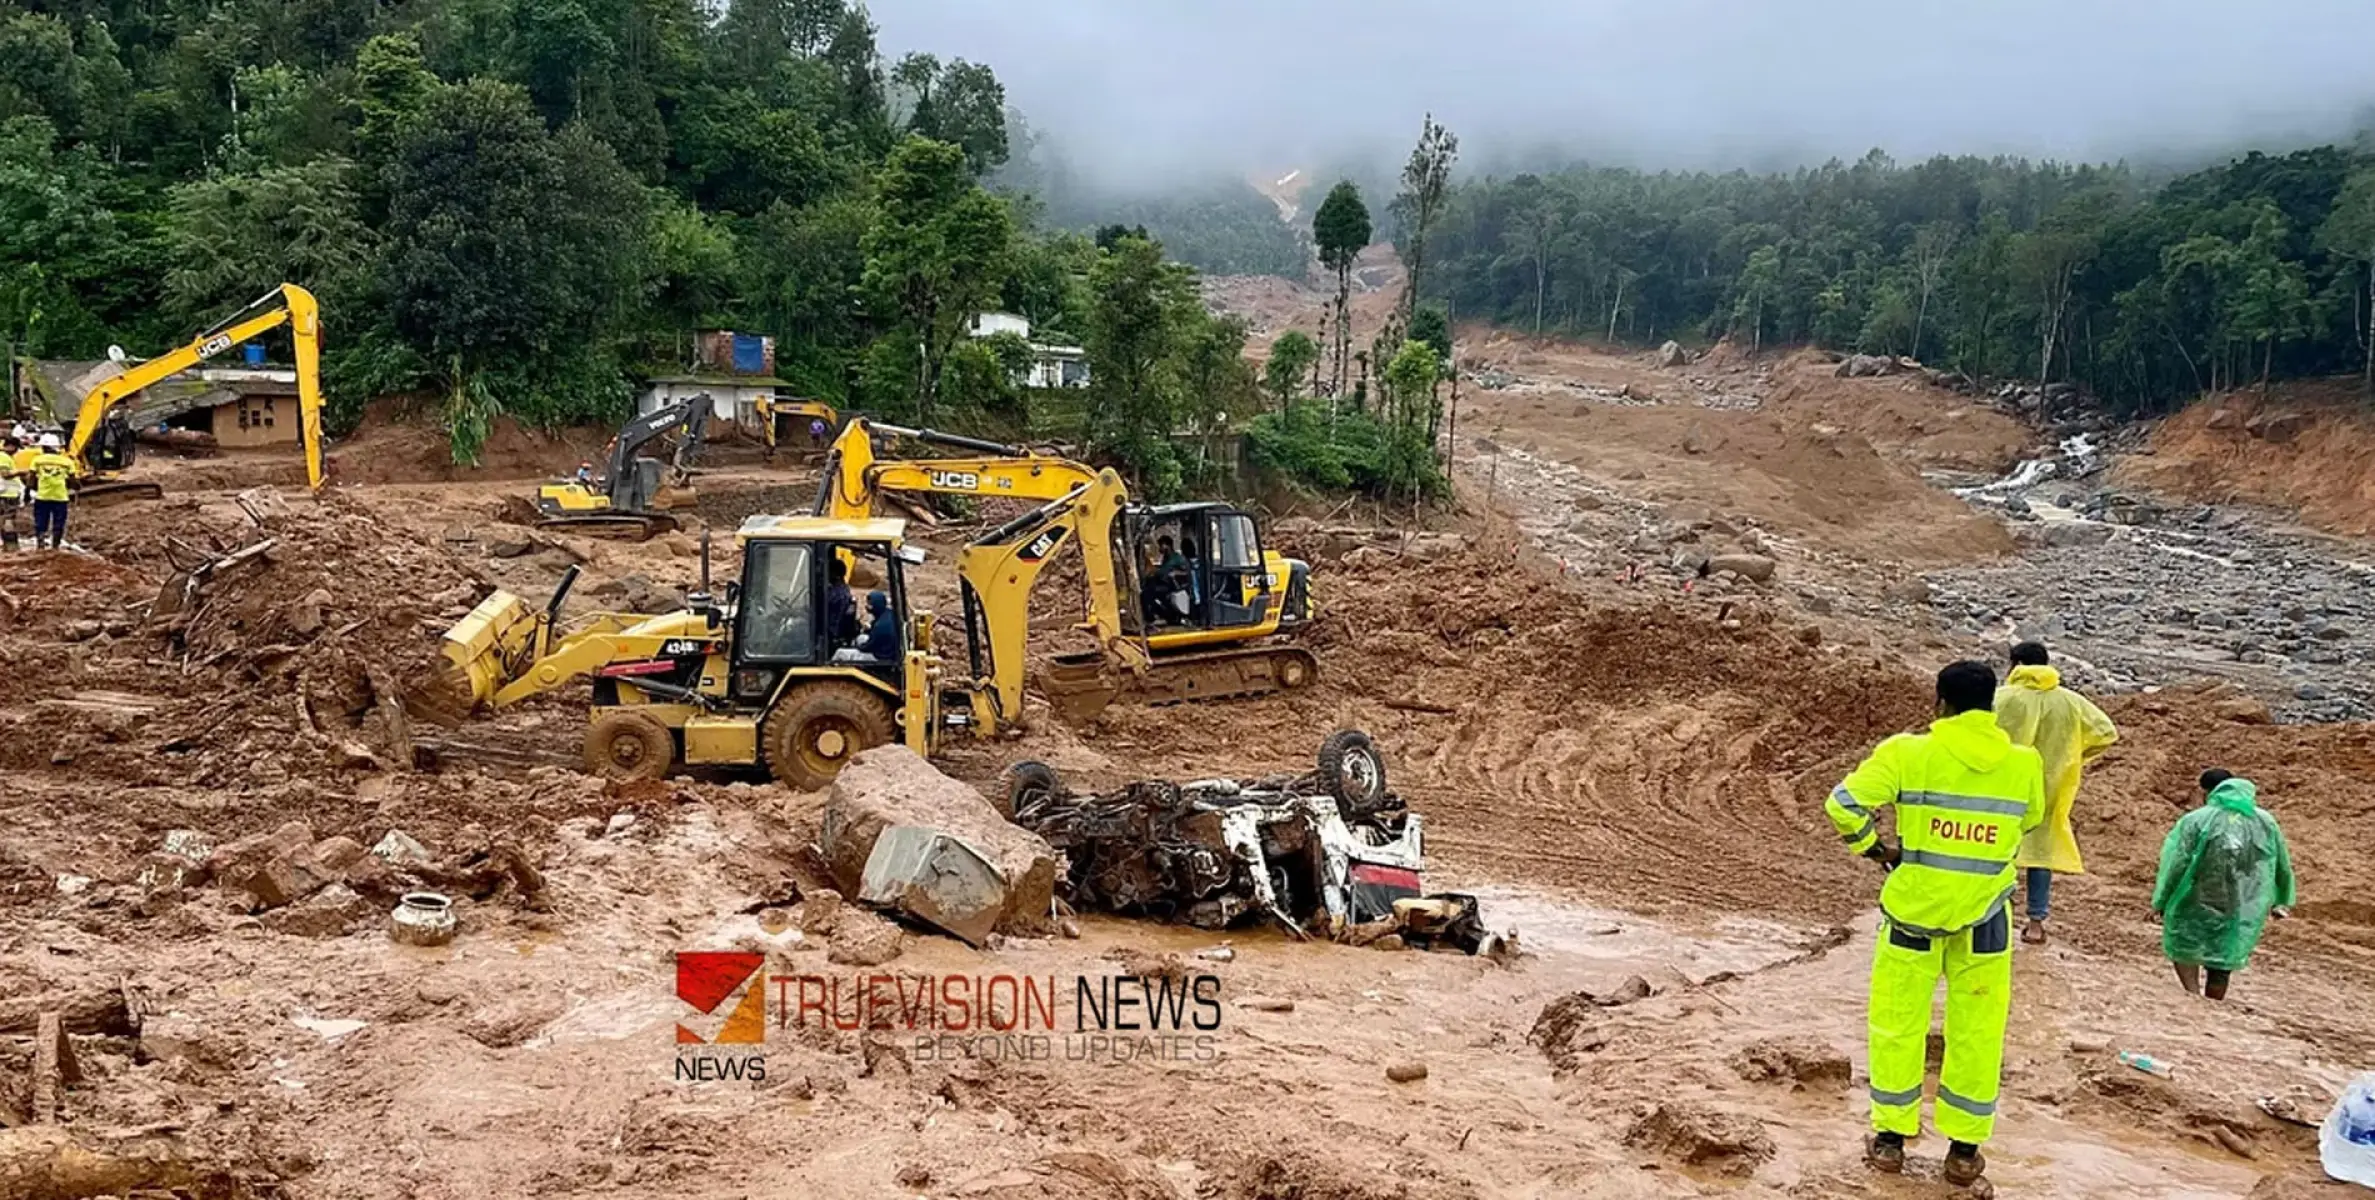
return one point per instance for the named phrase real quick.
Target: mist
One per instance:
(1135, 92)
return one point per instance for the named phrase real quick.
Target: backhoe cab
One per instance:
(758, 678)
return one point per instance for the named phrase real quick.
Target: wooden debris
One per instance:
(53, 1068)
(1421, 706)
(98, 1010)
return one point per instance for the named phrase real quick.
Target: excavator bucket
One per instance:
(1079, 686)
(475, 659)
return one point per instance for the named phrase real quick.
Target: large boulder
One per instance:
(892, 786)
(2277, 427)
(1672, 355)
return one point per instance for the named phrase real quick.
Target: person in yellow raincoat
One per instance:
(2067, 731)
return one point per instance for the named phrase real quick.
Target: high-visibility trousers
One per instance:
(1977, 964)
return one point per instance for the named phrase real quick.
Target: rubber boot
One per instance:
(1886, 1152)
(1964, 1164)
(2033, 933)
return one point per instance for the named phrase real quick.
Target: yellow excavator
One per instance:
(1210, 601)
(626, 500)
(103, 439)
(777, 415)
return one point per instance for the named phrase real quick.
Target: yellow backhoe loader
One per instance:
(626, 500)
(1209, 601)
(103, 439)
(760, 677)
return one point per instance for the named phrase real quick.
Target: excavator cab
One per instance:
(1202, 571)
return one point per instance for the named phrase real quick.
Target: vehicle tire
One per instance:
(818, 727)
(1025, 785)
(629, 746)
(1352, 771)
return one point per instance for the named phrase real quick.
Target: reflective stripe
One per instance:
(1880, 1096)
(1956, 862)
(1846, 799)
(1996, 805)
(1993, 908)
(1975, 1108)
(1861, 832)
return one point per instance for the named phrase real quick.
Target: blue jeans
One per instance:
(2040, 890)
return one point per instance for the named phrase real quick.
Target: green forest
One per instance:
(2146, 292)
(510, 206)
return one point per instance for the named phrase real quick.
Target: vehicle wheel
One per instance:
(1352, 771)
(629, 745)
(1026, 785)
(818, 727)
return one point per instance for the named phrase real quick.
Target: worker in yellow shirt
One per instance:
(50, 470)
(12, 485)
(1964, 796)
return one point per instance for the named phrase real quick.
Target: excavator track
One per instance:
(1079, 687)
(107, 492)
(617, 527)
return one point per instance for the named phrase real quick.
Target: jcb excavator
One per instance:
(777, 415)
(1207, 610)
(103, 438)
(634, 489)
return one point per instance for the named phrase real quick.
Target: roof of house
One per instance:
(61, 384)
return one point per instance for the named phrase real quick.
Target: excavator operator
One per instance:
(1168, 579)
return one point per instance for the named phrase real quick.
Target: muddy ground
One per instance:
(1623, 756)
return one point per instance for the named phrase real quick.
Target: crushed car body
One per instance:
(1330, 853)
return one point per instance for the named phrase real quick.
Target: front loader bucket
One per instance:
(476, 658)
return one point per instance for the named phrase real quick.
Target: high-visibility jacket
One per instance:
(1965, 796)
(50, 471)
(2068, 731)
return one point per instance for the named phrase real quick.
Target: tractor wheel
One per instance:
(1352, 771)
(628, 746)
(818, 727)
(1026, 785)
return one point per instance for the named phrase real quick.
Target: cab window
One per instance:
(1237, 546)
(778, 604)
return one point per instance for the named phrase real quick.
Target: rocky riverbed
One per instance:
(2145, 592)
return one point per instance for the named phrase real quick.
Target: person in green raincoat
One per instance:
(2068, 732)
(2224, 871)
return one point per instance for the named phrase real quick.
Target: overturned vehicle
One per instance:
(1332, 852)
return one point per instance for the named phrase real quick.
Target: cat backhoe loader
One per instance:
(103, 440)
(626, 499)
(1206, 615)
(759, 678)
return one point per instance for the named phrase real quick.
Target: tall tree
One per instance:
(2349, 233)
(1341, 231)
(937, 253)
(1426, 182)
(1136, 305)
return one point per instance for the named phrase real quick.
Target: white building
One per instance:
(731, 397)
(1053, 365)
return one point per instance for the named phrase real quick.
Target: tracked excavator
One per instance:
(103, 441)
(1207, 616)
(627, 499)
(775, 416)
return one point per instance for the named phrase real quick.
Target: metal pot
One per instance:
(423, 919)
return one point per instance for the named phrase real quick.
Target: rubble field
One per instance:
(1618, 746)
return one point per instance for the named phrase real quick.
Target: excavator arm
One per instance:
(691, 415)
(288, 305)
(855, 478)
(999, 568)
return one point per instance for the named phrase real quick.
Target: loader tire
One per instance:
(629, 746)
(1353, 772)
(1026, 785)
(818, 727)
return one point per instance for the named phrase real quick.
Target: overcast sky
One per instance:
(1138, 88)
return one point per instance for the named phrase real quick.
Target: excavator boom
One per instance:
(287, 304)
